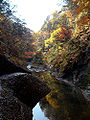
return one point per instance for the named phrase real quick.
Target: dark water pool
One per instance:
(64, 102)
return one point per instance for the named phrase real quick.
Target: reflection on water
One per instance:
(63, 103)
(38, 113)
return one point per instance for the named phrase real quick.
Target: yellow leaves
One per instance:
(79, 16)
(48, 41)
(59, 47)
(54, 45)
(1, 17)
(63, 65)
(60, 52)
(59, 34)
(52, 101)
(44, 53)
(69, 15)
(80, 13)
(62, 46)
(56, 32)
(34, 43)
(63, 49)
(39, 50)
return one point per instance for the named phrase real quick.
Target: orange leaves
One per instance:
(69, 15)
(60, 52)
(77, 12)
(83, 5)
(28, 56)
(64, 30)
(46, 32)
(30, 53)
(52, 101)
(62, 33)
(83, 21)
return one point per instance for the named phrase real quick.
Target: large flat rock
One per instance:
(27, 88)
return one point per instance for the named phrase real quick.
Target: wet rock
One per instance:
(29, 89)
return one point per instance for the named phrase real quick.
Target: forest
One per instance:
(61, 46)
(64, 37)
(62, 40)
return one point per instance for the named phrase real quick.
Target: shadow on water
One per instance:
(64, 102)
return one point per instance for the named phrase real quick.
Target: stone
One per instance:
(27, 88)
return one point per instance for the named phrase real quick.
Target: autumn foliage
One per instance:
(64, 36)
(15, 38)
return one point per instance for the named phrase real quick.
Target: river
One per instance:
(64, 102)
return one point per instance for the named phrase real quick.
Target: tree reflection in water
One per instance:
(64, 102)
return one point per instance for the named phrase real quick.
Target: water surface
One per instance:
(64, 102)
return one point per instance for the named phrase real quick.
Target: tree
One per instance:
(15, 38)
(5, 8)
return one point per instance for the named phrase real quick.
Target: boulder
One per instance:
(29, 89)
(11, 108)
(19, 91)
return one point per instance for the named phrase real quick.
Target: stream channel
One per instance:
(64, 102)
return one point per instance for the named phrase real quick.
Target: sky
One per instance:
(35, 11)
